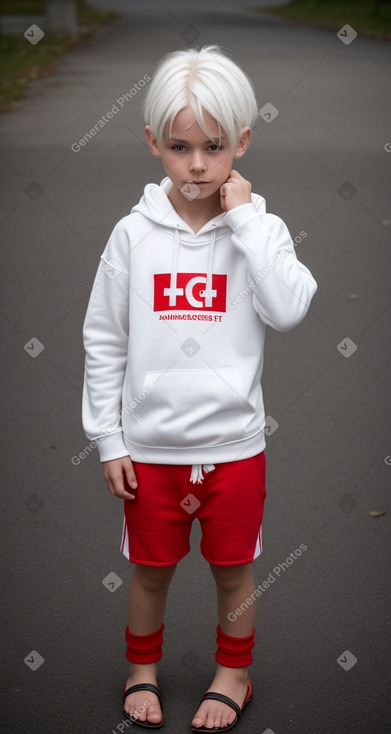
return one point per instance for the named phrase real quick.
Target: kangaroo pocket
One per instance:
(190, 408)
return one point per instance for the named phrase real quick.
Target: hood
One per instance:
(156, 206)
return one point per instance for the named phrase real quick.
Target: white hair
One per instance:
(204, 78)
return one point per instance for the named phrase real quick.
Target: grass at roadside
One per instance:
(37, 7)
(21, 62)
(369, 16)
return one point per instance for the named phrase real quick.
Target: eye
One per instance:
(178, 145)
(216, 147)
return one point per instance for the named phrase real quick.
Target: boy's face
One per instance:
(189, 156)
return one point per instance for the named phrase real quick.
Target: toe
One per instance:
(228, 718)
(205, 718)
(209, 721)
(143, 709)
(197, 722)
(154, 714)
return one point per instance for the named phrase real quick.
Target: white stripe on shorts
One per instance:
(125, 540)
(258, 545)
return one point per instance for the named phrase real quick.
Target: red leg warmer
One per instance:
(144, 649)
(234, 652)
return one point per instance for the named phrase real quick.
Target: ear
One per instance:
(244, 142)
(152, 144)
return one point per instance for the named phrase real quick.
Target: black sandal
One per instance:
(143, 687)
(224, 699)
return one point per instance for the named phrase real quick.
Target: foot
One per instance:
(231, 682)
(135, 703)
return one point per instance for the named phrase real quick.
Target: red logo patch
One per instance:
(189, 291)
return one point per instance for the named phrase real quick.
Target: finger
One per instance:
(123, 494)
(222, 201)
(123, 489)
(130, 477)
(128, 487)
(117, 487)
(110, 487)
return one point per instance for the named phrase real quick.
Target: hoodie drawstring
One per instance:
(196, 476)
(173, 291)
(209, 293)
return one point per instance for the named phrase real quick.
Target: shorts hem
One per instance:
(168, 563)
(230, 563)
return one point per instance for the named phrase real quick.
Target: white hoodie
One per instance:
(175, 328)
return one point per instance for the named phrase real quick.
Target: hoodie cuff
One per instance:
(112, 447)
(241, 215)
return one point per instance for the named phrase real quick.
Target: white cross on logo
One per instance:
(207, 295)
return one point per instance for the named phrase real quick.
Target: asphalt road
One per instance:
(321, 662)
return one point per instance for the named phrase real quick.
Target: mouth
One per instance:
(199, 183)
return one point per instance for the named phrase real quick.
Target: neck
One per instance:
(196, 209)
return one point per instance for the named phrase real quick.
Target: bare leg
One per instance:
(234, 584)
(146, 606)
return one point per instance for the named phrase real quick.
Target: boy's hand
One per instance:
(235, 191)
(120, 477)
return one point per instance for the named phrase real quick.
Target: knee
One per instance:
(231, 578)
(154, 578)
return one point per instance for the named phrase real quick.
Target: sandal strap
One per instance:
(224, 699)
(144, 687)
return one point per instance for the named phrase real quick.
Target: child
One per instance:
(174, 336)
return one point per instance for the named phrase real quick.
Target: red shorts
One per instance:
(228, 503)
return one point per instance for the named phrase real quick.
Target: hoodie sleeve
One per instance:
(105, 336)
(282, 286)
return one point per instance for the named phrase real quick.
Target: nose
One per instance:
(197, 161)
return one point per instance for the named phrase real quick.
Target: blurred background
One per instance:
(320, 155)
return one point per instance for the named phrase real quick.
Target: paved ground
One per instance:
(322, 165)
